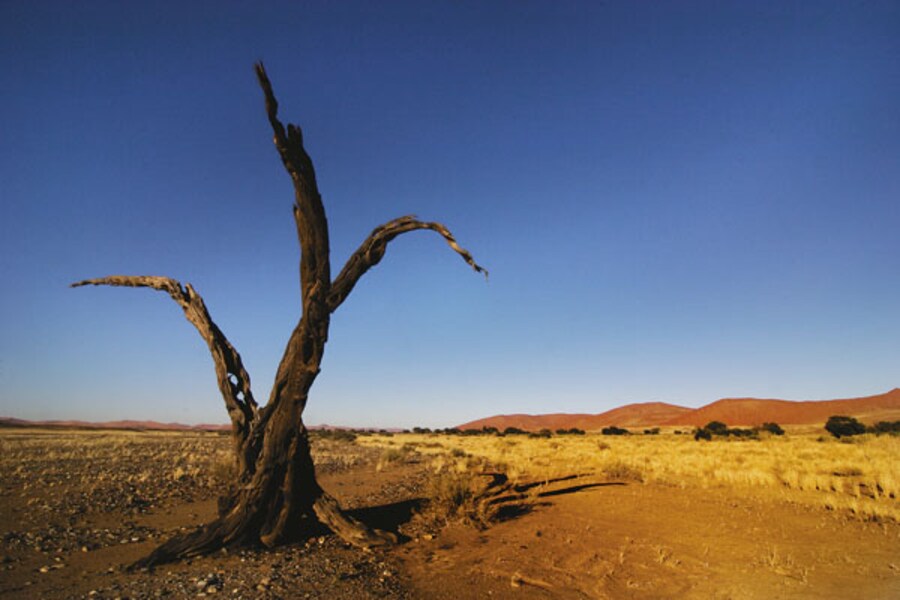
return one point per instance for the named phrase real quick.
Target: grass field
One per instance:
(860, 475)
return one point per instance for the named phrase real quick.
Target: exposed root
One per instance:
(347, 528)
(203, 540)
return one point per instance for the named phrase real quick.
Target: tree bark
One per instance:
(276, 496)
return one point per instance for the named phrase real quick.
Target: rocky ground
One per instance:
(77, 507)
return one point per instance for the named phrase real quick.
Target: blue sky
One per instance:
(677, 201)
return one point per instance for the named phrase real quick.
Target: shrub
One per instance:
(739, 433)
(717, 428)
(543, 433)
(886, 427)
(652, 431)
(512, 431)
(772, 428)
(572, 431)
(840, 426)
(460, 495)
(622, 471)
(340, 435)
(613, 430)
(391, 455)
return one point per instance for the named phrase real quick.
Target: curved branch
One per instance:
(372, 250)
(233, 379)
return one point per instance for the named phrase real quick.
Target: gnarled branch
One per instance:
(309, 213)
(234, 382)
(373, 248)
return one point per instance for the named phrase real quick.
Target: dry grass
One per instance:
(75, 471)
(860, 475)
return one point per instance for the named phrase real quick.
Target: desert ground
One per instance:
(802, 515)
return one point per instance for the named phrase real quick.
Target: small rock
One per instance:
(44, 569)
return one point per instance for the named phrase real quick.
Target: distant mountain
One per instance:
(731, 411)
(151, 425)
(139, 425)
(631, 415)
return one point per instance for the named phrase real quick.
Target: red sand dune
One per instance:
(751, 411)
(731, 411)
(631, 415)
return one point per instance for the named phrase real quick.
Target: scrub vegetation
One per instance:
(859, 475)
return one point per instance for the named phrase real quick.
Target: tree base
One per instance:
(221, 533)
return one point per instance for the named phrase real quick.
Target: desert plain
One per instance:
(803, 515)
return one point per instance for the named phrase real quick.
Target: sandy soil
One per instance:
(582, 538)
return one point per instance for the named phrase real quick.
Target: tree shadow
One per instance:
(389, 517)
(517, 501)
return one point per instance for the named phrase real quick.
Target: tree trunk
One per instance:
(275, 496)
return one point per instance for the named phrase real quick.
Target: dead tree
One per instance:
(275, 496)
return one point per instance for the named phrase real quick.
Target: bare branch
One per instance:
(309, 213)
(373, 248)
(234, 382)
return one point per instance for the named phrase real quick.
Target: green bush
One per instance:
(719, 429)
(572, 431)
(613, 430)
(886, 427)
(512, 431)
(840, 426)
(740, 433)
(716, 428)
(543, 433)
(772, 428)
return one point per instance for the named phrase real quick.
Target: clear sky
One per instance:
(677, 201)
